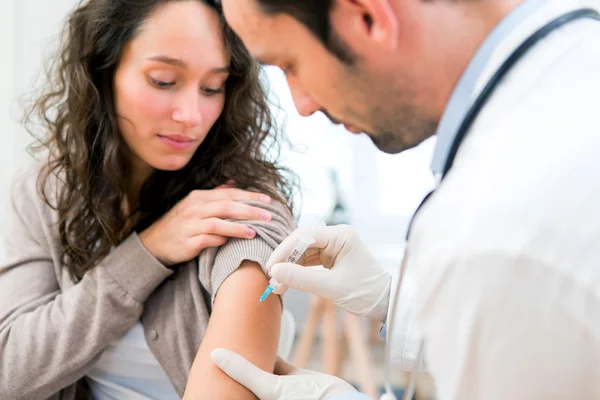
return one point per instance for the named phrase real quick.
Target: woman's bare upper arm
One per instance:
(237, 323)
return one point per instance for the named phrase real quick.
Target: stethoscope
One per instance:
(451, 152)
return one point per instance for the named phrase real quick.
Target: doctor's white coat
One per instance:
(506, 255)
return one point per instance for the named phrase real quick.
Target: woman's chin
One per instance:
(171, 163)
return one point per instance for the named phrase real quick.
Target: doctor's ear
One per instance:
(371, 21)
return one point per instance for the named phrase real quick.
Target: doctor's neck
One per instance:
(455, 30)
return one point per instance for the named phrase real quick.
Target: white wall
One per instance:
(7, 90)
(27, 31)
(591, 3)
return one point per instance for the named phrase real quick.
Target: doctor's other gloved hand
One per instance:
(288, 382)
(352, 278)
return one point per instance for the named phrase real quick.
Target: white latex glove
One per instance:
(352, 279)
(288, 382)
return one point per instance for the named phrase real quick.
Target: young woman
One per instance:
(155, 206)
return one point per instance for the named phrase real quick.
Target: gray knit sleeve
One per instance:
(217, 264)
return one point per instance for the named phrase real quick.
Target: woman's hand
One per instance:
(197, 222)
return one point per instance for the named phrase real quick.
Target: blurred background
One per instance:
(378, 192)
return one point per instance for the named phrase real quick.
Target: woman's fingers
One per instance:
(228, 193)
(219, 227)
(231, 209)
(205, 241)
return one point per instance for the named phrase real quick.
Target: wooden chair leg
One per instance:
(359, 353)
(331, 353)
(425, 387)
(305, 343)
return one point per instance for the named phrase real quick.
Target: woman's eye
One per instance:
(161, 84)
(211, 92)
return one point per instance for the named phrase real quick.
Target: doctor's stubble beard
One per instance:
(395, 120)
(400, 129)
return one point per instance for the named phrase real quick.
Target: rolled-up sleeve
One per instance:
(230, 256)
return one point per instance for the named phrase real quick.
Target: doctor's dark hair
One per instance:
(88, 157)
(314, 14)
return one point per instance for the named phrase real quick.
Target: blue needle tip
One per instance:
(266, 293)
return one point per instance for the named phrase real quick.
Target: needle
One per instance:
(253, 309)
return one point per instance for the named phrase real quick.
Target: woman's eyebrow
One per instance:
(181, 64)
(221, 70)
(168, 60)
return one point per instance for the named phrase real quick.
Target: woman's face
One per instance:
(170, 85)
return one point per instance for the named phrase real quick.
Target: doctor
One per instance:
(507, 250)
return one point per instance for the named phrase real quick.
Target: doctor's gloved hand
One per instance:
(288, 382)
(352, 279)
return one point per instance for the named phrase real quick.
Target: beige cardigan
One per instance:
(52, 331)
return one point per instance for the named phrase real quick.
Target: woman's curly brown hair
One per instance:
(88, 155)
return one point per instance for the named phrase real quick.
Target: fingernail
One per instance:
(265, 215)
(264, 198)
(250, 232)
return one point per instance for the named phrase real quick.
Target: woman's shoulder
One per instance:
(281, 225)
(30, 188)
(24, 183)
(31, 221)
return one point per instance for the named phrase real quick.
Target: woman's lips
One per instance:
(177, 142)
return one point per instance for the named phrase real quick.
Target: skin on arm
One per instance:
(238, 325)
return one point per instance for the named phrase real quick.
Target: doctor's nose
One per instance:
(305, 104)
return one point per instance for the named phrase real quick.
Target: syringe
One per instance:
(294, 256)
